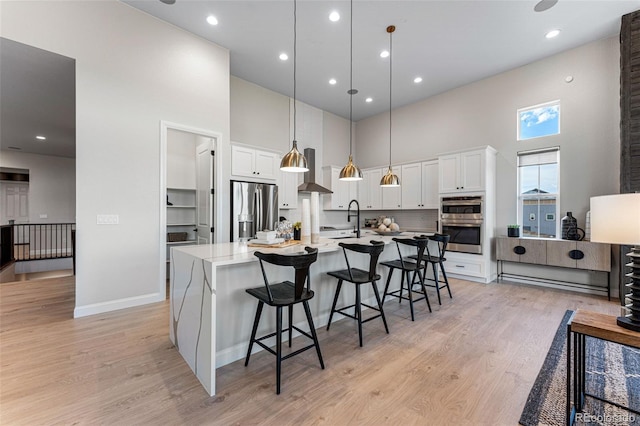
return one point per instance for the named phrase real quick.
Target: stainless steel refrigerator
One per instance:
(254, 207)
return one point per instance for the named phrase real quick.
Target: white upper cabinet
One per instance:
(254, 163)
(392, 196)
(430, 193)
(343, 191)
(420, 185)
(369, 191)
(463, 172)
(288, 190)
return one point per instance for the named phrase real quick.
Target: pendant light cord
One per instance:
(390, 80)
(295, 25)
(351, 80)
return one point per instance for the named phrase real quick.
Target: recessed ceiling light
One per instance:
(368, 100)
(332, 81)
(212, 20)
(552, 34)
(334, 16)
(384, 54)
(417, 80)
(40, 138)
(283, 56)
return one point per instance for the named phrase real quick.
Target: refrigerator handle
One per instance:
(258, 225)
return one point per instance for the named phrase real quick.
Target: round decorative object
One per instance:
(519, 250)
(576, 254)
(388, 232)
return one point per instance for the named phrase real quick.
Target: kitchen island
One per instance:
(211, 315)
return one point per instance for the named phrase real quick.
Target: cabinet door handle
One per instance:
(459, 266)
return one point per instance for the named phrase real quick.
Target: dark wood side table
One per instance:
(599, 326)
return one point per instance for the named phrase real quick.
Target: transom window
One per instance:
(539, 192)
(539, 120)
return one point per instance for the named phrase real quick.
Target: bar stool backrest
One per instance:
(373, 250)
(300, 262)
(442, 241)
(420, 243)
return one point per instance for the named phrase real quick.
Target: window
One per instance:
(538, 192)
(539, 120)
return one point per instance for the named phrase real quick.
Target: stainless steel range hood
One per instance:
(309, 184)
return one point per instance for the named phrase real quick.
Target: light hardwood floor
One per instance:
(470, 362)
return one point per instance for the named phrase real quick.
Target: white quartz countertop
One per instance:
(239, 252)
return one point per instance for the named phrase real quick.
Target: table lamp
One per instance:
(615, 219)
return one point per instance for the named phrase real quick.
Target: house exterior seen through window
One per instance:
(539, 120)
(539, 192)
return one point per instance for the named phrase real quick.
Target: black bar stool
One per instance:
(441, 243)
(407, 267)
(359, 277)
(283, 294)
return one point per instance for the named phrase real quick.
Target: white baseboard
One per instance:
(114, 305)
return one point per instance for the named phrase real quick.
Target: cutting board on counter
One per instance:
(278, 245)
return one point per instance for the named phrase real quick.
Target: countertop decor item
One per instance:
(390, 179)
(351, 172)
(388, 233)
(513, 230)
(294, 161)
(615, 219)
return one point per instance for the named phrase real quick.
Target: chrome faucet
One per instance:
(357, 214)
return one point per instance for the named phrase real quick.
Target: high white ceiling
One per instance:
(38, 91)
(448, 43)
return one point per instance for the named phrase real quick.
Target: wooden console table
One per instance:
(583, 255)
(599, 326)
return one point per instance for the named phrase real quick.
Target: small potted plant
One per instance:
(513, 230)
(296, 230)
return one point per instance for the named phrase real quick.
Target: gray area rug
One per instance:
(612, 372)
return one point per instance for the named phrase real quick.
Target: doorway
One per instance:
(37, 162)
(188, 181)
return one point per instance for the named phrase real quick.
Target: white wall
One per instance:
(52, 185)
(484, 113)
(181, 159)
(132, 71)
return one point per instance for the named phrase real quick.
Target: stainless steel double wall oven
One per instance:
(462, 219)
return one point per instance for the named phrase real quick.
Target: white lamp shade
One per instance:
(615, 219)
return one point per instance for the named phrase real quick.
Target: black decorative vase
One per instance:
(296, 234)
(513, 232)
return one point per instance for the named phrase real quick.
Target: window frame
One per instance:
(520, 198)
(530, 108)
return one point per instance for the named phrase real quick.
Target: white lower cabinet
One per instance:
(474, 267)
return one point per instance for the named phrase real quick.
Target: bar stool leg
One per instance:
(312, 327)
(386, 287)
(290, 323)
(375, 291)
(278, 347)
(446, 280)
(437, 282)
(424, 290)
(253, 332)
(335, 300)
(359, 313)
(404, 274)
(413, 318)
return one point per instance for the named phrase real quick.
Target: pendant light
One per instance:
(351, 172)
(390, 179)
(294, 161)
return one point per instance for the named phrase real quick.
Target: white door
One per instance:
(15, 202)
(204, 189)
